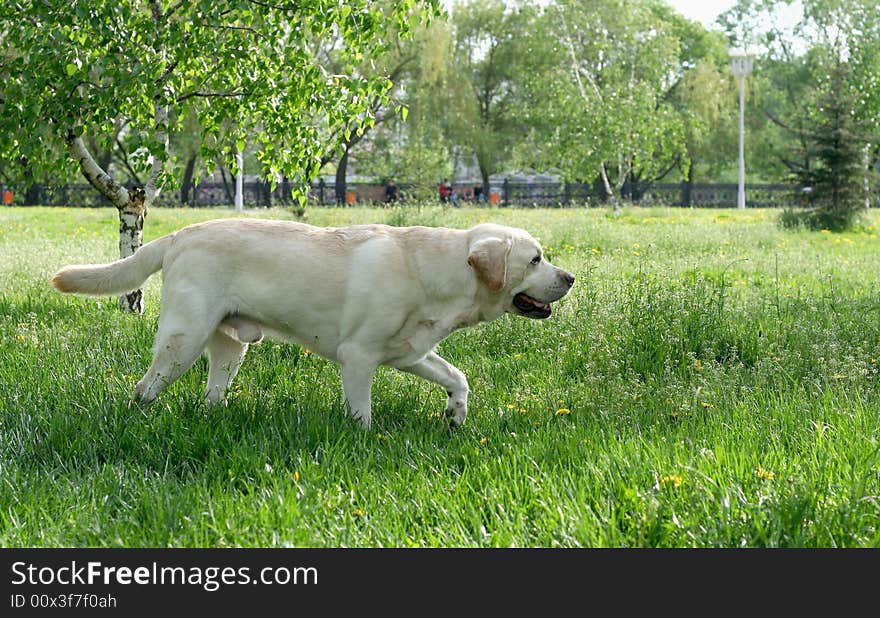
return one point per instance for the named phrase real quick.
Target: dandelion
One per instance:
(109, 370)
(839, 376)
(358, 512)
(523, 411)
(596, 251)
(381, 436)
(674, 480)
(707, 404)
(698, 364)
(563, 412)
(434, 415)
(296, 476)
(484, 441)
(766, 475)
(510, 406)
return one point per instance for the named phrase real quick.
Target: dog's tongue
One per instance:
(534, 302)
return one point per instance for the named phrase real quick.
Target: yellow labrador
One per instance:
(364, 296)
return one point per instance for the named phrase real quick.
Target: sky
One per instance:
(704, 11)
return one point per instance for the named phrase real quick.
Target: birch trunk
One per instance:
(131, 204)
(131, 237)
(609, 192)
(866, 180)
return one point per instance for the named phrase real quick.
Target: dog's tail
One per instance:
(117, 277)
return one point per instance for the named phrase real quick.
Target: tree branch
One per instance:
(97, 177)
(151, 189)
(207, 95)
(123, 157)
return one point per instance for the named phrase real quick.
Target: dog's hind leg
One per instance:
(225, 356)
(185, 326)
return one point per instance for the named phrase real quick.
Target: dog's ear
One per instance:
(488, 258)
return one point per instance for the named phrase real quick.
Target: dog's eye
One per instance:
(536, 260)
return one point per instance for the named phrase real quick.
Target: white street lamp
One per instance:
(239, 182)
(741, 64)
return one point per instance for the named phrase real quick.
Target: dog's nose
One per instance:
(568, 278)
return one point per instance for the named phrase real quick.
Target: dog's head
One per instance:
(511, 264)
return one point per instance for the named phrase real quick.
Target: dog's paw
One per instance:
(456, 412)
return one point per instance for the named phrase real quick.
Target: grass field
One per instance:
(711, 381)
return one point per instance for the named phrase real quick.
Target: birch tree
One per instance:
(603, 109)
(243, 68)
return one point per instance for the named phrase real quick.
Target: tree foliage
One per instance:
(242, 68)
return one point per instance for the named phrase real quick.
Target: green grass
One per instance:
(721, 376)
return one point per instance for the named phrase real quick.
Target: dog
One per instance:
(363, 296)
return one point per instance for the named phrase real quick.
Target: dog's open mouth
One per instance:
(530, 307)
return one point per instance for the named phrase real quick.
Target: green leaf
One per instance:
(71, 69)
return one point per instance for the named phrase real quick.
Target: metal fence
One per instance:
(505, 193)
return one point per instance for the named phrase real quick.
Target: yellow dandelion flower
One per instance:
(562, 411)
(839, 376)
(523, 411)
(698, 364)
(434, 415)
(761, 473)
(707, 404)
(358, 512)
(296, 476)
(596, 251)
(510, 406)
(674, 480)
(484, 441)
(381, 436)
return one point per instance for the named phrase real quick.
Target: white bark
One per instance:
(97, 177)
(131, 236)
(866, 180)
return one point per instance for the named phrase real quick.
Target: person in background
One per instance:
(444, 191)
(478, 193)
(453, 196)
(392, 192)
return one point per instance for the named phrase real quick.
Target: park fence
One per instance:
(521, 193)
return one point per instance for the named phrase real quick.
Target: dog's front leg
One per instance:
(436, 369)
(358, 369)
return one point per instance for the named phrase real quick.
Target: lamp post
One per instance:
(239, 182)
(741, 64)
